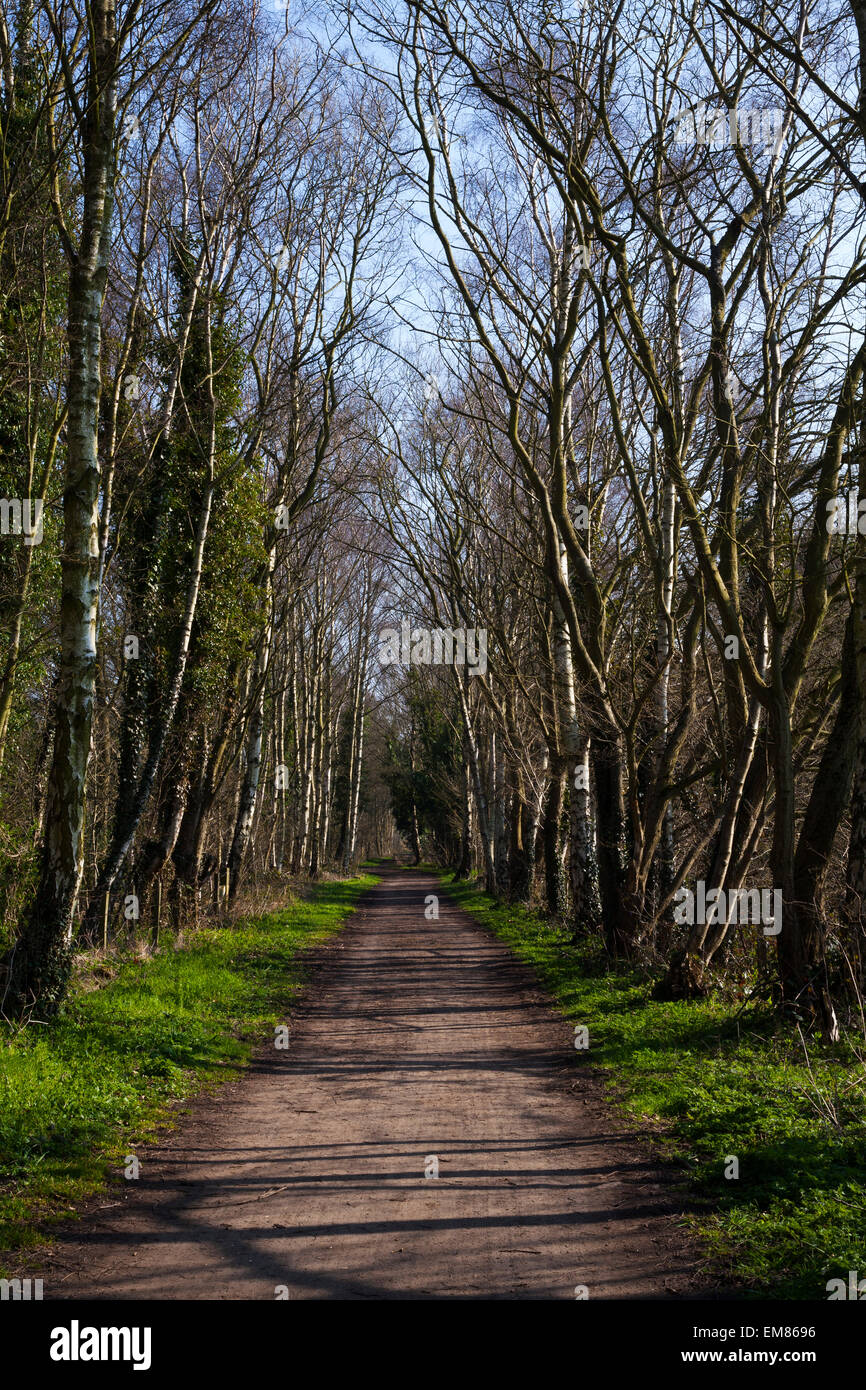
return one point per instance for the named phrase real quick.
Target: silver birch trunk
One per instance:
(42, 956)
(254, 739)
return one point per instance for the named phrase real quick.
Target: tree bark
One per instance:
(42, 956)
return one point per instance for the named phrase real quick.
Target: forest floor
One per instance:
(419, 1046)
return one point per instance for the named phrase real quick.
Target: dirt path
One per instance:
(418, 1038)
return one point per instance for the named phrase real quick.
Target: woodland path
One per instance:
(416, 1038)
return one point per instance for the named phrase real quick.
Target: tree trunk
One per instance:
(551, 836)
(42, 956)
(255, 733)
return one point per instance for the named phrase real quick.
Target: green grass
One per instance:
(80, 1094)
(713, 1079)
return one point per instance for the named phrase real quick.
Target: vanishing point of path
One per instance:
(417, 1040)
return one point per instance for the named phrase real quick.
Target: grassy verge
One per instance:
(77, 1096)
(718, 1080)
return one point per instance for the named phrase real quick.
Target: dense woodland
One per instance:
(543, 321)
